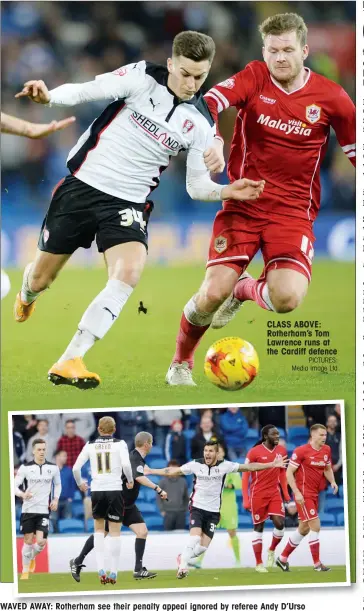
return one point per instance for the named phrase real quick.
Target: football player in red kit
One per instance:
(264, 498)
(281, 134)
(304, 475)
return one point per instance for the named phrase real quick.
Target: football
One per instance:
(231, 363)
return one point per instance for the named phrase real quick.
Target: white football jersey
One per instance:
(42, 481)
(208, 482)
(125, 150)
(109, 459)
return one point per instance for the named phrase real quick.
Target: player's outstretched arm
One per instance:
(167, 471)
(278, 462)
(329, 474)
(144, 481)
(21, 127)
(200, 186)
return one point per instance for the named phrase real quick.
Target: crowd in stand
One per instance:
(179, 436)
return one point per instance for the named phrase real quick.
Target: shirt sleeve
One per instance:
(297, 457)
(231, 467)
(234, 91)
(82, 458)
(57, 484)
(120, 84)
(250, 457)
(328, 461)
(189, 468)
(198, 182)
(137, 467)
(343, 120)
(125, 462)
(19, 479)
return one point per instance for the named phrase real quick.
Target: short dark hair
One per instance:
(212, 442)
(282, 23)
(42, 420)
(69, 420)
(194, 45)
(36, 441)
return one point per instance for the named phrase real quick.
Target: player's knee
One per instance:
(143, 532)
(216, 294)
(285, 300)
(304, 529)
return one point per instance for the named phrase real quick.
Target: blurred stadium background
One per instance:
(178, 435)
(73, 41)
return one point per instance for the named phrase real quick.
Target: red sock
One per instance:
(188, 338)
(249, 289)
(275, 541)
(258, 547)
(314, 544)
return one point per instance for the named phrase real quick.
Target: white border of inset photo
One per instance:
(136, 591)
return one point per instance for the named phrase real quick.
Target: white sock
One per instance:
(266, 298)
(278, 533)
(99, 550)
(36, 550)
(115, 549)
(107, 554)
(27, 554)
(194, 316)
(98, 318)
(26, 294)
(296, 537)
(188, 552)
(198, 550)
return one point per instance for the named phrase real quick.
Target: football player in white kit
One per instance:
(41, 480)
(205, 500)
(109, 460)
(154, 112)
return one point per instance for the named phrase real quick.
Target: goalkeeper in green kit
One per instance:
(228, 513)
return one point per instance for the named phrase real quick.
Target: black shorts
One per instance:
(132, 515)
(31, 522)
(107, 505)
(206, 520)
(78, 213)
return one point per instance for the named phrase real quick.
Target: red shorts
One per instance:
(284, 242)
(309, 510)
(263, 507)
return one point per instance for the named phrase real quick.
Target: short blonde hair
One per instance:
(106, 425)
(284, 22)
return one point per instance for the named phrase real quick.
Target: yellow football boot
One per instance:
(73, 373)
(32, 566)
(24, 576)
(22, 311)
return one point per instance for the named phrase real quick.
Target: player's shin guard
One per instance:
(189, 552)
(115, 548)
(26, 293)
(37, 549)
(193, 326)
(258, 547)
(293, 542)
(276, 538)
(27, 555)
(314, 543)
(99, 545)
(139, 553)
(198, 550)
(249, 289)
(98, 318)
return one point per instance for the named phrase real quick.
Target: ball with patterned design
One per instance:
(231, 363)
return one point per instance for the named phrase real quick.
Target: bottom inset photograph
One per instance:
(193, 498)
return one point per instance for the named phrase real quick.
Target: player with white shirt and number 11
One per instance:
(205, 500)
(109, 461)
(154, 112)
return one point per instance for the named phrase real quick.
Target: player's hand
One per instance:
(292, 508)
(214, 157)
(83, 487)
(41, 130)
(37, 91)
(299, 498)
(335, 487)
(130, 485)
(164, 495)
(27, 495)
(54, 505)
(243, 189)
(247, 506)
(279, 461)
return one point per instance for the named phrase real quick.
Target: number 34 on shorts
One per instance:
(129, 216)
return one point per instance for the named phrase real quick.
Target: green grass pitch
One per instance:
(203, 578)
(133, 358)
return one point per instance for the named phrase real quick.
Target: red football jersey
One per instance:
(282, 137)
(311, 464)
(265, 483)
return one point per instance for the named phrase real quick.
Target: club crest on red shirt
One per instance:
(220, 244)
(187, 126)
(313, 113)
